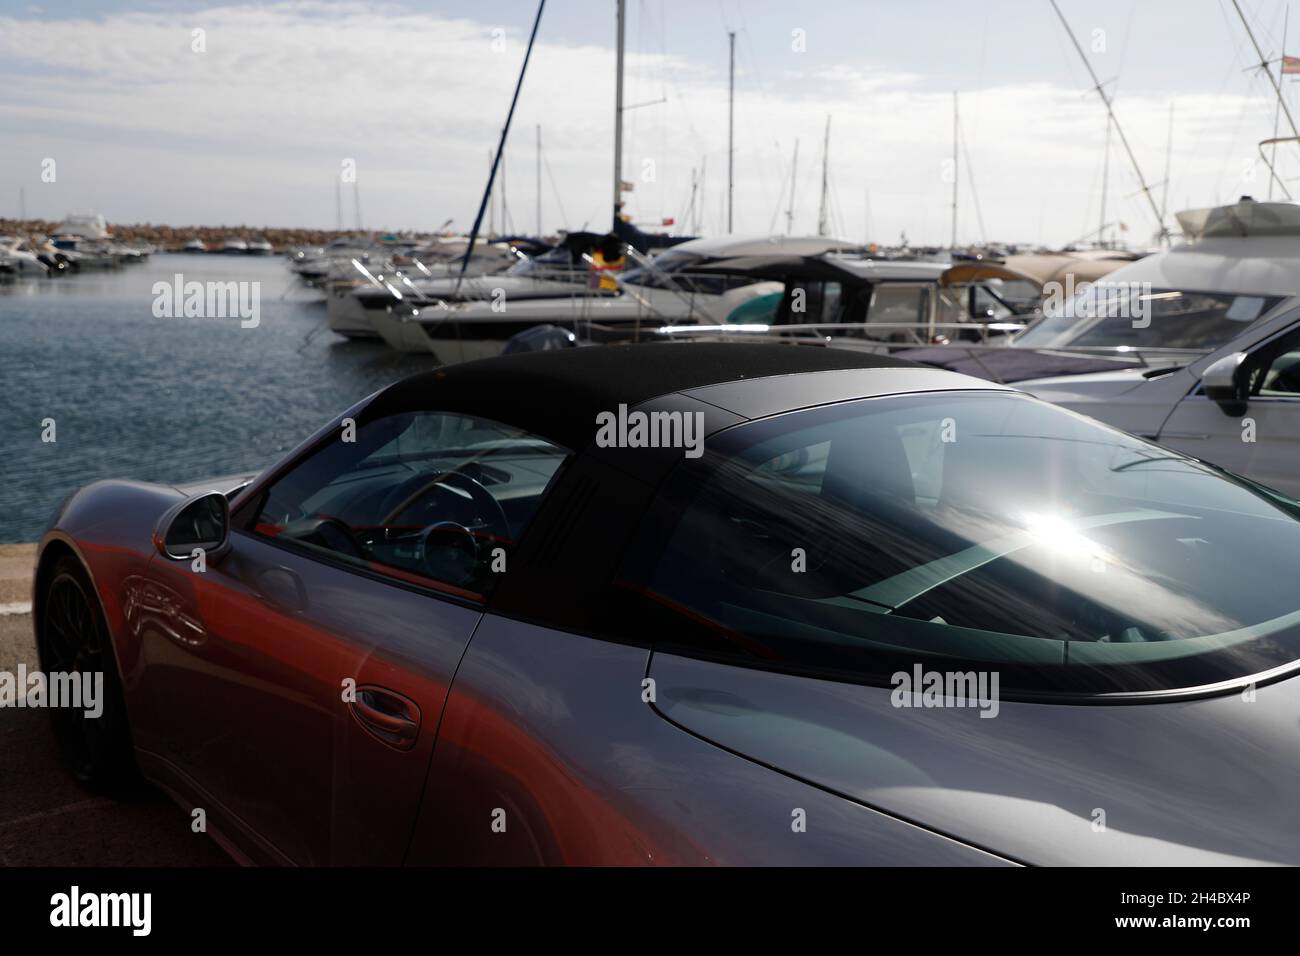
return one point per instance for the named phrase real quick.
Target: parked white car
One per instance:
(1231, 296)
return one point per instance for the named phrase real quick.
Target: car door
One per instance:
(1263, 442)
(302, 681)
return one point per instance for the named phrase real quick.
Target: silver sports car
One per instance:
(692, 604)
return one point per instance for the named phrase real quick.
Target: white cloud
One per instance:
(254, 130)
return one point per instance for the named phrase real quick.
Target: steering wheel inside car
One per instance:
(326, 532)
(451, 551)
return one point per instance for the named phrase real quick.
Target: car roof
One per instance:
(558, 393)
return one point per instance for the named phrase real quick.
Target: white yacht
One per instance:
(234, 244)
(664, 291)
(430, 274)
(195, 245)
(83, 225)
(259, 247)
(20, 258)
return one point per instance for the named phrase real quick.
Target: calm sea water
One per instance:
(175, 399)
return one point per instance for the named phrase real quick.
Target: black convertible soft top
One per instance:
(558, 393)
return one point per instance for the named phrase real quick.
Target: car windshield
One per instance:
(976, 529)
(1132, 314)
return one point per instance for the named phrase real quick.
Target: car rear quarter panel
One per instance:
(1204, 782)
(547, 733)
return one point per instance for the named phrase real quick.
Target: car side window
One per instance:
(968, 530)
(430, 498)
(1275, 368)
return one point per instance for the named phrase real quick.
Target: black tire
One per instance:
(72, 636)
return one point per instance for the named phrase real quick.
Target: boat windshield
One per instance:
(549, 263)
(1111, 314)
(664, 264)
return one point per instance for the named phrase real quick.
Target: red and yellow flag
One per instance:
(1290, 64)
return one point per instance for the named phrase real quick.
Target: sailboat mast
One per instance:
(955, 177)
(618, 113)
(1105, 188)
(506, 225)
(539, 180)
(823, 212)
(501, 145)
(1164, 189)
(699, 213)
(794, 172)
(731, 127)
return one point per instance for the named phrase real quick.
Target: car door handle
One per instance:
(388, 716)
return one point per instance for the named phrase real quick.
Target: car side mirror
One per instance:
(200, 523)
(1225, 384)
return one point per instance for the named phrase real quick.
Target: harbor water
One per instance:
(85, 360)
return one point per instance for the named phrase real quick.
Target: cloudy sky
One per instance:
(256, 127)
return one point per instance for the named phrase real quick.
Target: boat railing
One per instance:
(866, 337)
(869, 334)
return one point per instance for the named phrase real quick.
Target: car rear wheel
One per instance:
(73, 639)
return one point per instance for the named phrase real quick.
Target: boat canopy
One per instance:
(1246, 217)
(780, 267)
(1037, 269)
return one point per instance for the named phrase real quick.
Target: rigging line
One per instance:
(751, 74)
(546, 163)
(1128, 33)
(748, 73)
(722, 14)
(835, 220)
(1234, 67)
(1232, 143)
(970, 178)
(776, 212)
(1099, 164)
